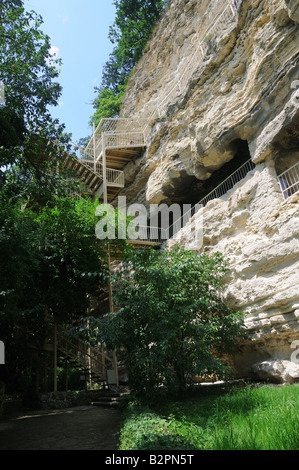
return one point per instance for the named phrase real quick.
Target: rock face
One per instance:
(253, 227)
(238, 100)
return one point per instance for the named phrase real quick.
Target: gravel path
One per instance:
(80, 428)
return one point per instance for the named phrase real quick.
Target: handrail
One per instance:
(289, 181)
(113, 176)
(160, 233)
(81, 348)
(114, 126)
(219, 191)
(177, 85)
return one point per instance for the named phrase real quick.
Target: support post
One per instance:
(104, 170)
(103, 361)
(94, 147)
(111, 310)
(55, 357)
(89, 362)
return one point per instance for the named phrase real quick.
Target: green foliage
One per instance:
(172, 321)
(51, 264)
(249, 418)
(107, 104)
(26, 67)
(46, 256)
(131, 30)
(133, 26)
(144, 429)
(28, 73)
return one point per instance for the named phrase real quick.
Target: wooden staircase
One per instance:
(110, 399)
(92, 362)
(84, 172)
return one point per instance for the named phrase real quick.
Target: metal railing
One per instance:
(113, 177)
(158, 234)
(92, 360)
(227, 14)
(128, 139)
(147, 232)
(117, 133)
(289, 181)
(228, 183)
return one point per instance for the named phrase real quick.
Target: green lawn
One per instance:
(251, 418)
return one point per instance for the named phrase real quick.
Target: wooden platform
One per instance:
(117, 158)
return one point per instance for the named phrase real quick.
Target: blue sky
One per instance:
(79, 35)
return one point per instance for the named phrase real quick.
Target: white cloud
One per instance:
(54, 52)
(63, 19)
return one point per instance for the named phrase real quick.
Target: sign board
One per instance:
(2, 353)
(111, 377)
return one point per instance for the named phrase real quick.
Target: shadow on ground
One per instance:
(79, 428)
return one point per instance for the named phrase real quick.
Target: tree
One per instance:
(133, 26)
(51, 264)
(48, 246)
(28, 72)
(171, 323)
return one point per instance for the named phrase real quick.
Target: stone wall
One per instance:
(62, 400)
(245, 91)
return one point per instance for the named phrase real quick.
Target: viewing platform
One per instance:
(100, 165)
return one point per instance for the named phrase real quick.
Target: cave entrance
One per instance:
(197, 193)
(286, 149)
(192, 191)
(230, 173)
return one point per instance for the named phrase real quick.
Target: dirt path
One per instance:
(80, 428)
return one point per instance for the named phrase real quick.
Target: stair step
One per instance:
(109, 399)
(113, 399)
(109, 403)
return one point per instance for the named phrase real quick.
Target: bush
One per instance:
(172, 323)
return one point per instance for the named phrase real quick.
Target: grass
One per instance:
(251, 418)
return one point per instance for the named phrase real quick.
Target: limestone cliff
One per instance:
(237, 100)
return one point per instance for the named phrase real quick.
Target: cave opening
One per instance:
(191, 190)
(286, 151)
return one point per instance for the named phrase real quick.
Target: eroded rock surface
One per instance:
(239, 102)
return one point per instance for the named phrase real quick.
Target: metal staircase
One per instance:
(93, 362)
(100, 167)
(116, 141)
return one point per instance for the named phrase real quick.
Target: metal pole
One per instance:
(94, 146)
(111, 306)
(55, 357)
(89, 361)
(104, 170)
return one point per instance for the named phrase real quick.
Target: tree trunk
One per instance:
(156, 11)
